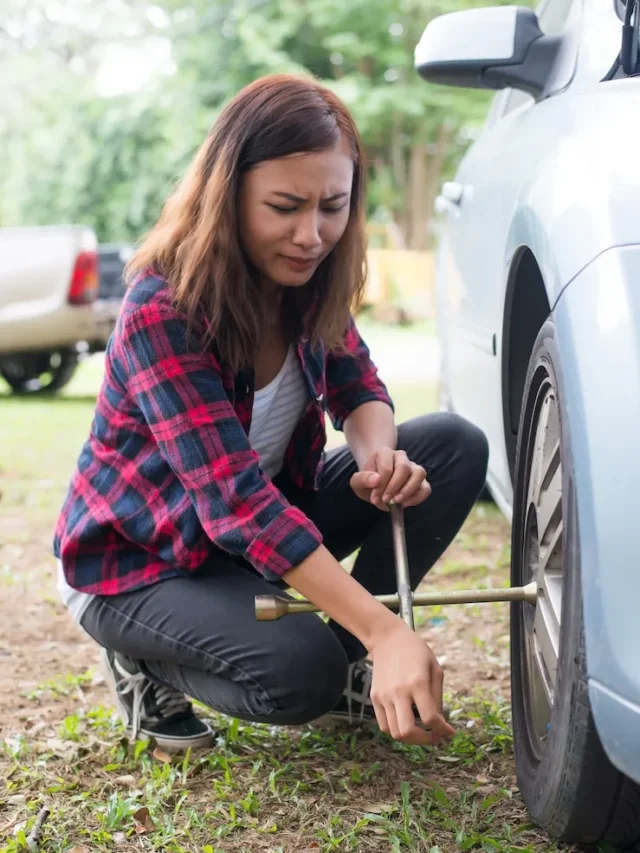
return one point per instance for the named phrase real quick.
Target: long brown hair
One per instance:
(195, 243)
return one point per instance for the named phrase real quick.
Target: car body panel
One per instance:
(561, 179)
(555, 194)
(598, 324)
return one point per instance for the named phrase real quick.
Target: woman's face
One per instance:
(293, 211)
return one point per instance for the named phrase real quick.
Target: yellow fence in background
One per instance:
(402, 279)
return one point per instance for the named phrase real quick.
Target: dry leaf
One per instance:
(482, 779)
(127, 781)
(448, 759)
(143, 821)
(79, 849)
(379, 808)
(486, 790)
(161, 755)
(119, 838)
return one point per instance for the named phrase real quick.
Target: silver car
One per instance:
(538, 286)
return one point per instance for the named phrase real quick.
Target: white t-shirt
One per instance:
(277, 408)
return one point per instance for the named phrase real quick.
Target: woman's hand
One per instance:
(407, 674)
(389, 475)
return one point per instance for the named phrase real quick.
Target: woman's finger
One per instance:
(429, 705)
(363, 481)
(417, 475)
(392, 720)
(409, 730)
(381, 717)
(421, 493)
(383, 460)
(401, 474)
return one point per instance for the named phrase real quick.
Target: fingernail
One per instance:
(399, 498)
(386, 498)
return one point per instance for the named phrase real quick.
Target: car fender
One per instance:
(573, 202)
(597, 317)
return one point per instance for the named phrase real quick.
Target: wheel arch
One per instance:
(526, 307)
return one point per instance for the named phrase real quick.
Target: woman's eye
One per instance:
(293, 209)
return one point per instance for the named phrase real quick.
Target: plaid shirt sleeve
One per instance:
(352, 378)
(183, 401)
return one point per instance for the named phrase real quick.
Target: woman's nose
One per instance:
(307, 232)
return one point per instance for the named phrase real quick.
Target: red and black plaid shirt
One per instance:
(168, 472)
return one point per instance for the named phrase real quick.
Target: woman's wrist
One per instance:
(380, 627)
(322, 580)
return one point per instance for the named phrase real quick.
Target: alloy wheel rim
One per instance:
(542, 556)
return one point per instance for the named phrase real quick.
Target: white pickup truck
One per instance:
(55, 306)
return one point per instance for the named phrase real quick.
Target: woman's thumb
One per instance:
(363, 480)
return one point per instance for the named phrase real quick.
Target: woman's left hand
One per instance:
(389, 475)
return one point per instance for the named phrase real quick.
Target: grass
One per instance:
(261, 789)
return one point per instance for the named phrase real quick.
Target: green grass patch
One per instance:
(266, 789)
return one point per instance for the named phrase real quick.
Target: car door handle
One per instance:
(450, 198)
(452, 192)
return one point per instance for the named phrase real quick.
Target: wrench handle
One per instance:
(403, 580)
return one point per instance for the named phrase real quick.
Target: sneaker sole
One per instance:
(174, 744)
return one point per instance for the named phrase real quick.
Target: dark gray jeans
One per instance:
(199, 633)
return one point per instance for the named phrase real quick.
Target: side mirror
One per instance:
(492, 48)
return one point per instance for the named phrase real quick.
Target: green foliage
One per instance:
(72, 154)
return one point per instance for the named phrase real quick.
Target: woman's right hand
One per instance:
(407, 674)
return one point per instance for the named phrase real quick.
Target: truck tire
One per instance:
(36, 373)
(569, 786)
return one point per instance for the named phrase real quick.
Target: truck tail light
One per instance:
(84, 279)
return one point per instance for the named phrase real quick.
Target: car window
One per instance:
(496, 109)
(517, 98)
(553, 16)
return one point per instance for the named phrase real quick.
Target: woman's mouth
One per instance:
(299, 264)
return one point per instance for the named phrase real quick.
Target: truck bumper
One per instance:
(46, 330)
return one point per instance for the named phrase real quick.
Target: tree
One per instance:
(110, 162)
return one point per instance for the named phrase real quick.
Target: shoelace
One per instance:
(168, 700)
(365, 671)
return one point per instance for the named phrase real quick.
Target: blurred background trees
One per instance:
(103, 104)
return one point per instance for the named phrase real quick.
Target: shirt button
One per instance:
(319, 398)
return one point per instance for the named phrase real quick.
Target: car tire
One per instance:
(568, 784)
(37, 373)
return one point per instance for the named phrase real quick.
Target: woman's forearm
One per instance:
(368, 428)
(322, 580)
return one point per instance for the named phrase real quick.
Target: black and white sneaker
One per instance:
(151, 710)
(355, 706)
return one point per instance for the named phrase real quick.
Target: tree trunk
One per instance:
(416, 194)
(399, 172)
(434, 176)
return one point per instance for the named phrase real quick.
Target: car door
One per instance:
(477, 209)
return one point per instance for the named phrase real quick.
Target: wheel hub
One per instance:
(543, 563)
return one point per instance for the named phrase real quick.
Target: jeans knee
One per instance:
(476, 447)
(451, 448)
(313, 679)
(468, 447)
